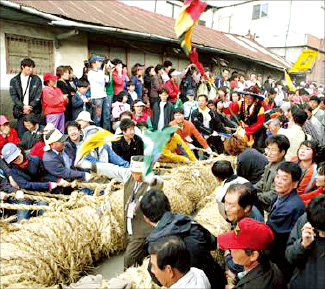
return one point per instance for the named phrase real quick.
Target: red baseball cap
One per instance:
(248, 234)
(49, 76)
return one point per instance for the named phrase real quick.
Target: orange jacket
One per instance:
(190, 130)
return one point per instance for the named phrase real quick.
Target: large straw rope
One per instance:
(93, 226)
(58, 247)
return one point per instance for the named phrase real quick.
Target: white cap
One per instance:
(84, 115)
(137, 164)
(52, 137)
(139, 103)
(175, 73)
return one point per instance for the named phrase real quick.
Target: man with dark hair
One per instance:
(223, 81)
(224, 174)
(33, 133)
(162, 111)
(26, 94)
(306, 252)
(170, 263)
(74, 139)
(135, 188)
(317, 112)
(276, 149)
(167, 67)
(187, 130)
(130, 144)
(295, 133)
(156, 85)
(286, 208)
(249, 243)
(156, 211)
(208, 123)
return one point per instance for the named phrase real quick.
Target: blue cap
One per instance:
(95, 58)
(10, 152)
(190, 92)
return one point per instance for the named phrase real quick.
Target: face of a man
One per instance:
(129, 132)
(313, 104)
(27, 70)
(250, 99)
(283, 183)
(322, 105)
(225, 74)
(239, 257)
(82, 89)
(73, 133)
(18, 160)
(234, 212)
(163, 96)
(202, 102)
(274, 128)
(161, 275)
(273, 153)
(179, 117)
(137, 177)
(58, 146)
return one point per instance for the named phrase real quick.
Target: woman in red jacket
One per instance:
(306, 159)
(7, 133)
(320, 183)
(54, 102)
(172, 86)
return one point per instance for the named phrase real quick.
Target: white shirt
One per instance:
(97, 82)
(161, 122)
(165, 76)
(194, 279)
(24, 82)
(134, 95)
(296, 136)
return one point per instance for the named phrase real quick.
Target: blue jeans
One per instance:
(102, 112)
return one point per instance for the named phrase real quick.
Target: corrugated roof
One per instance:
(118, 15)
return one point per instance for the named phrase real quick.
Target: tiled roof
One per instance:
(116, 14)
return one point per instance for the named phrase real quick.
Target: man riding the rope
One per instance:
(251, 114)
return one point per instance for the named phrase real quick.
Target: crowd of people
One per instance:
(273, 198)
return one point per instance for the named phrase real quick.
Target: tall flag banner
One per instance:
(305, 61)
(94, 141)
(154, 143)
(288, 81)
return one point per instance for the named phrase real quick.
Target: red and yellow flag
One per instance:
(188, 17)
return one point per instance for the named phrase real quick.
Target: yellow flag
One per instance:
(288, 81)
(305, 61)
(100, 138)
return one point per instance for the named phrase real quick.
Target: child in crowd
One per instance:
(81, 101)
(7, 133)
(133, 96)
(190, 105)
(139, 114)
(119, 106)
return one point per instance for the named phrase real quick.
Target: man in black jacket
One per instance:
(33, 133)
(249, 243)
(306, 246)
(199, 241)
(26, 94)
(162, 111)
(208, 123)
(130, 144)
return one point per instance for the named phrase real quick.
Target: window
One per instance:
(260, 11)
(20, 47)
